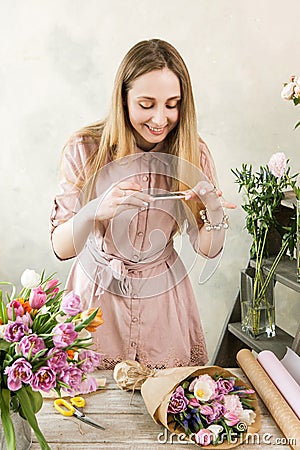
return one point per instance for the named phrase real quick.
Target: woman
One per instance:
(121, 235)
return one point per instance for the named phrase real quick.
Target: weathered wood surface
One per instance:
(129, 426)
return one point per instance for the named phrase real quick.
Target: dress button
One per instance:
(140, 234)
(135, 258)
(142, 208)
(134, 296)
(145, 178)
(133, 344)
(134, 319)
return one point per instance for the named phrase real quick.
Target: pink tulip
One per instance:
(37, 298)
(18, 308)
(204, 437)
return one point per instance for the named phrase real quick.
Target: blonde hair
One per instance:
(115, 133)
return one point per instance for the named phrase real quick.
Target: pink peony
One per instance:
(233, 404)
(277, 164)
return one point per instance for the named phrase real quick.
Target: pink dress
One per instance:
(129, 265)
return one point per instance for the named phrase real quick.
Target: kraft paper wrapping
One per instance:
(283, 415)
(158, 387)
(282, 379)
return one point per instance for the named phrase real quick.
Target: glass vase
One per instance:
(298, 240)
(23, 433)
(257, 315)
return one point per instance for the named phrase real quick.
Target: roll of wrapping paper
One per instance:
(284, 381)
(281, 412)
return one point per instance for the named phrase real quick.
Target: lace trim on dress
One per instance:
(198, 357)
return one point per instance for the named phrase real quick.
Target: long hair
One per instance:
(115, 133)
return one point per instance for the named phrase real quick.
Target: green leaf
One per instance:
(28, 411)
(7, 424)
(86, 322)
(297, 125)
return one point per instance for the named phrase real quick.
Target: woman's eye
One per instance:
(146, 105)
(172, 105)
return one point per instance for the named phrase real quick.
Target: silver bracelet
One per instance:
(209, 226)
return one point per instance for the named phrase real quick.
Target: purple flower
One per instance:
(223, 387)
(218, 411)
(19, 372)
(90, 360)
(206, 410)
(57, 360)
(44, 379)
(37, 298)
(31, 343)
(88, 385)
(71, 376)
(70, 304)
(178, 401)
(15, 331)
(18, 309)
(64, 334)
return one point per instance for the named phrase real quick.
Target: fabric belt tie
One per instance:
(109, 267)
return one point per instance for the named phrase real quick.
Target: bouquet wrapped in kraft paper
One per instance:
(206, 405)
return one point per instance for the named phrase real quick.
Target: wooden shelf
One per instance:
(286, 272)
(277, 344)
(232, 338)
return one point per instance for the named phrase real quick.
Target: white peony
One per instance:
(30, 279)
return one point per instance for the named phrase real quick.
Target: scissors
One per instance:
(71, 408)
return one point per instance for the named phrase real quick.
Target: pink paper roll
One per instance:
(282, 379)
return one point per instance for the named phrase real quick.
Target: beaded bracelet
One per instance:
(209, 226)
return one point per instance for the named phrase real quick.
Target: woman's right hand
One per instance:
(121, 197)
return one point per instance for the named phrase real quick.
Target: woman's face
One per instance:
(153, 106)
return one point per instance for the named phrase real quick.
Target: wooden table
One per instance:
(129, 426)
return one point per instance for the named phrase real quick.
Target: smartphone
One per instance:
(167, 196)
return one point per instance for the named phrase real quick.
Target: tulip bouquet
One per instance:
(44, 345)
(206, 405)
(212, 409)
(291, 91)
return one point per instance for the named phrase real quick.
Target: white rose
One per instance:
(30, 279)
(288, 91)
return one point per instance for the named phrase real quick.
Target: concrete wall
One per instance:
(58, 61)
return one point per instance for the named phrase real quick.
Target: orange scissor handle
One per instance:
(78, 402)
(63, 407)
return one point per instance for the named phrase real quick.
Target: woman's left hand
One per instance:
(204, 191)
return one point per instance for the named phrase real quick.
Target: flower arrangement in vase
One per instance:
(44, 345)
(263, 192)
